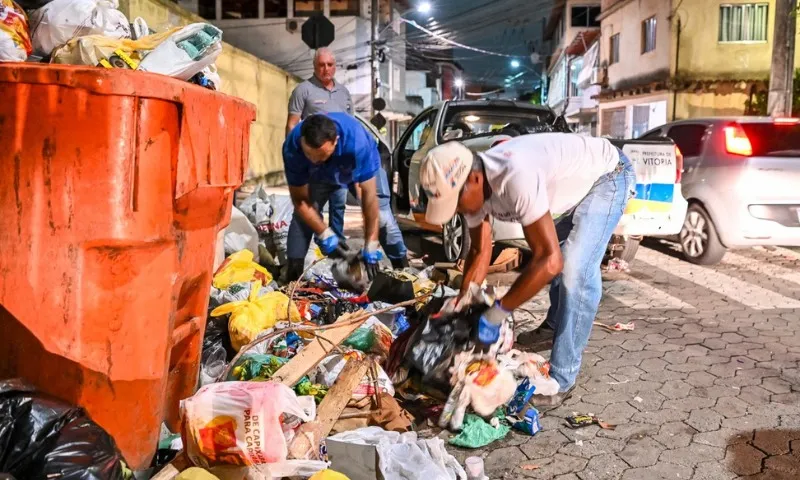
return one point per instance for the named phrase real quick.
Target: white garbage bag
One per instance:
(240, 423)
(186, 52)
(15, 41)
(241, 235)
(60, 21)
(279, 221)
(402, 456)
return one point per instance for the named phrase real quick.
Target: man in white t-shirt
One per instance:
(568, 192)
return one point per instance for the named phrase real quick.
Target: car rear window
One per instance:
(773, 140)
(475, 122)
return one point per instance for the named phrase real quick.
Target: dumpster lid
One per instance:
(103, 81)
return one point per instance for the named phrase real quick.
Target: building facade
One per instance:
(271, 30)
(670, 59)
(572, 29)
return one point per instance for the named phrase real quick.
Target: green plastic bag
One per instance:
(476, 433)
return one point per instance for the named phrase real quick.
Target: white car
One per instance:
(742, 181)
(658, 209)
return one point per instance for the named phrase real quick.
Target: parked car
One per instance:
(742, 181)
(659, 208)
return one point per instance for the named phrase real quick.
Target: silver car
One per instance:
(742, 180)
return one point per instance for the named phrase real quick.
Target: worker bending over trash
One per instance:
(568, 192)
(322, 153)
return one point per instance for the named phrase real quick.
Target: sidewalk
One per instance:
(709, 391)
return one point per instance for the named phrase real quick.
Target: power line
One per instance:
(456, 44)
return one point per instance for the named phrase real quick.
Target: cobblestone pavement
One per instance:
(707, 386)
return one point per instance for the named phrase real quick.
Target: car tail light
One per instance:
(678, 164)
(786, 121)
(736, 141)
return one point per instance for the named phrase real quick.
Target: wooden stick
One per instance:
(306, 442)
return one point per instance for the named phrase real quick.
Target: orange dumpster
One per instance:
(114, 187)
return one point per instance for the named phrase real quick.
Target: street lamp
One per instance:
(459, 84)
(424, 7)
(515, 64)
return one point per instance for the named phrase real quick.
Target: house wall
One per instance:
(659, 105)
(700, 55)
(627, 22)
(243, 75)
(703, 56)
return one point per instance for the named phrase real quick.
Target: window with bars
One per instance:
(649, 35)
(613, 49)
(746, 22)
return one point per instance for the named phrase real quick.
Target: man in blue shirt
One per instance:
(321, 154)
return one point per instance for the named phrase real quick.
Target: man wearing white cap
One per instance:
(568, 192)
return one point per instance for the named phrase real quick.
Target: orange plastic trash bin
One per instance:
(115, 186)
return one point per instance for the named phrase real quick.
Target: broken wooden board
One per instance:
(308, 437)
(509, 259)
(316, 351)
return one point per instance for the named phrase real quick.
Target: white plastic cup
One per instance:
(474, 468)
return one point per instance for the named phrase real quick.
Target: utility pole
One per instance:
(782, 71)
(374, 58)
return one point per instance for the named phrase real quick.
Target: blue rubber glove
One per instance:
(490, 323)
(327, 241)
(372, 257)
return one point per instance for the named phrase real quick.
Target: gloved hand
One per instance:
(328, 242)
(490, 322)
(372, 257)
(343, 251)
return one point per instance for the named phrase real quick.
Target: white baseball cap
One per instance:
(442, 173)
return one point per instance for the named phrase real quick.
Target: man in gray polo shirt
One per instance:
(323, 94)
(320, 93)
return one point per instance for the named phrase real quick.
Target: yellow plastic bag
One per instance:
(240, 268)
(99, 50)
(256, 314)
(329, 475)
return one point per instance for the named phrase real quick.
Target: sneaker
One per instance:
(545, 403)
(539, 339)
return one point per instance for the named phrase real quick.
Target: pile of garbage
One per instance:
(96, 33)
(311, 377)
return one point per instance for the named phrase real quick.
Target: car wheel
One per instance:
(455, 239)
(698, 238)
(629, 249)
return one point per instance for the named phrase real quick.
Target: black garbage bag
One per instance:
(439, 337)
(387, 287)
(44, 438)
(217, 334)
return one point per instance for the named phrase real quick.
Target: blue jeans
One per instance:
(575, 293)
(300, 235)
(389, 234)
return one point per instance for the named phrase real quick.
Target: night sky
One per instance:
(512, 27)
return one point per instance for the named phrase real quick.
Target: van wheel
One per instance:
(699, 239)
(629, 249)
(455, 239)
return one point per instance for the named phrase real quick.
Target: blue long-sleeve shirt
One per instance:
(355, 159)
